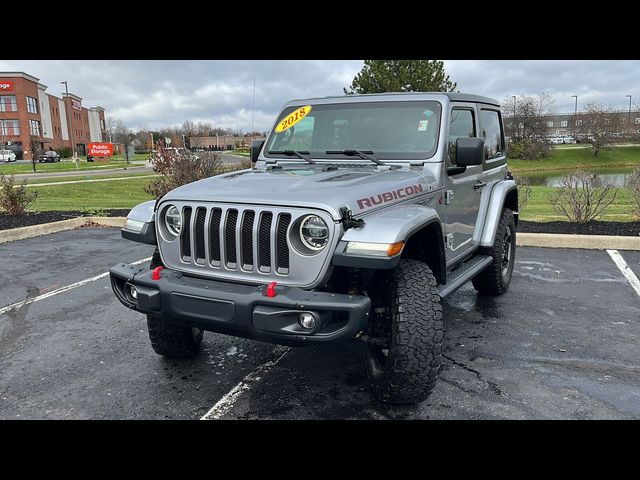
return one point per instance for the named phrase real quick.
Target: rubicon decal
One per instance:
(386, 197)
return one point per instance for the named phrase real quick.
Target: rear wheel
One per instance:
(403, 366)
(495, 279)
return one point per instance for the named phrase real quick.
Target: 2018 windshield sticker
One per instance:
(293, 118)
(385, 197)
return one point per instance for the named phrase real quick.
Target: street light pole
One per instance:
(69, 128)
(575, 114)
(629, 127)
(515, 123)
(253, 104)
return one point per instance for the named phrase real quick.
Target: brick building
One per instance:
(560, 124)
(32, 118)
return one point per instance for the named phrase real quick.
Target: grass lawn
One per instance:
(239, 153)
(91, 196)
(9, 169)
(540, 210)
(566, 159)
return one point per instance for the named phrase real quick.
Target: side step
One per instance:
(465, 272)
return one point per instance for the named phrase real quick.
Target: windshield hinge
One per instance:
(348, 221)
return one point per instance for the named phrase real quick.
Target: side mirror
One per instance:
(469, 151)
(254, 151)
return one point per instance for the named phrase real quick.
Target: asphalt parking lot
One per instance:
(561, 344)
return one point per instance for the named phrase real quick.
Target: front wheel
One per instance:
(403, 366)
(495, 279)
(173, 341)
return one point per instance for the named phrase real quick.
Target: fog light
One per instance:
(307, 320)
(132, 291)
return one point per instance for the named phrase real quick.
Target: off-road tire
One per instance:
(173, 341)
(493, 280)
(410, 370)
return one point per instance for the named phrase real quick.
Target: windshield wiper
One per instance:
(294, 153)
(368, 155)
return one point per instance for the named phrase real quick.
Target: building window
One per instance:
(578, 123)
(8, 103)
(102, 127)
(32, 105)
(34, 127)
(550, 124)
(564, 123)
(9, 127)
(637, 120)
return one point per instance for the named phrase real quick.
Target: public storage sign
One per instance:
(6, 86)
(100, 149)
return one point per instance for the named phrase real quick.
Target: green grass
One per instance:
(539, 209)
(9, 169)
(568, 159)
(239, 153)
(92, 196)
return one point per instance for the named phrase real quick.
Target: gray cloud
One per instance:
(165, 93)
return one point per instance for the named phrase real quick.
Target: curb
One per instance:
(547, 240)
(21, 233)
(588, 242)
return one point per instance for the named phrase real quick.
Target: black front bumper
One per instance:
(241, 310)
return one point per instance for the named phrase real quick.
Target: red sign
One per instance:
(100, 149)
(76, 104)
(6, 86)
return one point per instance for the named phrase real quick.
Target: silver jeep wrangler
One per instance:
(360, 214)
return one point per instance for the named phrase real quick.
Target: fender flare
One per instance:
(140, 226)
(500, 194)
(392, 225)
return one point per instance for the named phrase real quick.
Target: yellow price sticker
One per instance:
(293, 118)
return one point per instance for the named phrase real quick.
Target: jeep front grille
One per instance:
(234, 235)
(243, 243)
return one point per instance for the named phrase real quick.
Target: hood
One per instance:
(360, 188)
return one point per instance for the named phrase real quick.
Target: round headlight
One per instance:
(314, 232)
(173, 220)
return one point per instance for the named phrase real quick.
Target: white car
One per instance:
(7, 156)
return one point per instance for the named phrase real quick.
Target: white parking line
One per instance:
(625, 269)
(225, 403)
(66, 288)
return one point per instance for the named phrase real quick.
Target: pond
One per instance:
(613, 177)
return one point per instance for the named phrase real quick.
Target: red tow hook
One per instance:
(155, 273)
(271, 289)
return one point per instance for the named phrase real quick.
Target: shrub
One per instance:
(177, 168)
(581, 197)
(14, 199)
(633, 184)
(528, 149)
(64, 152)
(524, 191)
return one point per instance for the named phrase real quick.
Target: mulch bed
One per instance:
(590, 228)
(631, 229)
(36, 218)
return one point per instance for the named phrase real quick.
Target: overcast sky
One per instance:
(155, 94)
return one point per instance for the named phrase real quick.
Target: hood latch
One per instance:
(348, 221)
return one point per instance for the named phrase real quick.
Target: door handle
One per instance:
(479, 185)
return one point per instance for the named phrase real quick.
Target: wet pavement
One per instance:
(561, 343)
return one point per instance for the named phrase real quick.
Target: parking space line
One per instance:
(625, 269)
(223, 405)
(66, 288)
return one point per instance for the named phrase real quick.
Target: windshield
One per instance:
(391, 130)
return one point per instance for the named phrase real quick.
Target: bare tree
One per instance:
(581, 197)
(633, 184)
(119, 132)
(598, 124)
(35, 143)
(525, 124)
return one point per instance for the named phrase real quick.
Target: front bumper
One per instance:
(241, 310)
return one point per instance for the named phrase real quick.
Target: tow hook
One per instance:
(383, 342)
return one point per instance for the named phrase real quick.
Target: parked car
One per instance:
(7, 156)
(357, 238)
(16, 149)
(568, 139)
(49, 156)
